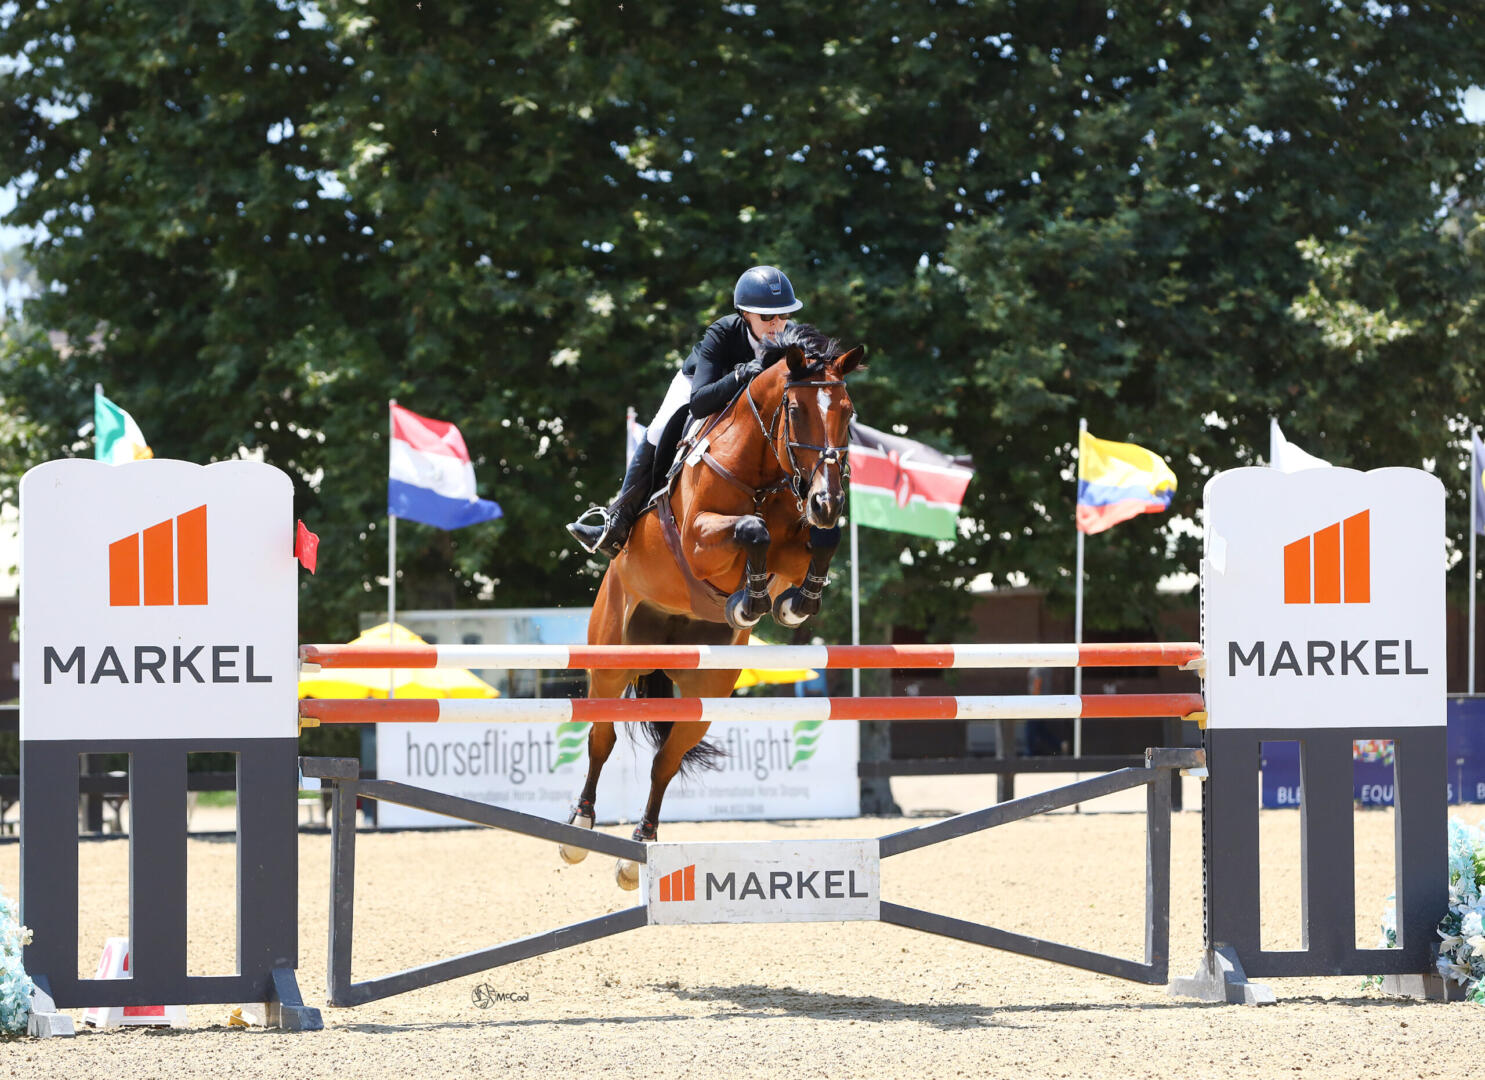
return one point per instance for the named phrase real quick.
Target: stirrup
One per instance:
(576, 528)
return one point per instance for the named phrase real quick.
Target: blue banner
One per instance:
(1373, 778)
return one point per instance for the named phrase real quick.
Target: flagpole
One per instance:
(1078, 609)
(855, 607)
(391, 559)
(1474, 489)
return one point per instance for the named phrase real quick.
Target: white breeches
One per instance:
(677, 396)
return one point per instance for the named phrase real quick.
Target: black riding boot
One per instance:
(619, 518)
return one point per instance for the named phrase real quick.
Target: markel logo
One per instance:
(164, 565)
(174, 557)
(781, 885)
(679, 885)
(1330, 566)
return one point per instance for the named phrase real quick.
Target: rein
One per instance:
(793, 476)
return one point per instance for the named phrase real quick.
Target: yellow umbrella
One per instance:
(755, 676)
(410, 683)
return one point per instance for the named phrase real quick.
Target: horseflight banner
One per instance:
(1324, 599)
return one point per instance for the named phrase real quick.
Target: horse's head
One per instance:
(812, 428)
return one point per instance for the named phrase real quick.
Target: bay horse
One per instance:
(747, 525)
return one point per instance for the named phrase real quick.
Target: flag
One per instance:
(1117, 481)
(431, 479)
(1285, 456)
(306, 546)
(905, 486)
(634, 434)
(1479, 451)
(116, 437)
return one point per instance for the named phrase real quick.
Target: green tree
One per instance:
(1176, 223)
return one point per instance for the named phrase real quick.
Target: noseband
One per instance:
(798, 483)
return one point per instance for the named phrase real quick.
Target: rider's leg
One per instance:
(609, 537)
(618, 519)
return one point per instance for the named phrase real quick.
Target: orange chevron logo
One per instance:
(173, 556)
(1331, 566)
(679, 885)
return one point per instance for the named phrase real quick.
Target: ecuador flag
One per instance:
(1118, 480)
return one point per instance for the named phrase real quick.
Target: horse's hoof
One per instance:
(789, 609)
(736, 612)
(574, 855)
(626, 873)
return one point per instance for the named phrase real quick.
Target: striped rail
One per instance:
(737, 657)
(712, 710)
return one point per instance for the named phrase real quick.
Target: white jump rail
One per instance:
(714, 710)
(1182, 654)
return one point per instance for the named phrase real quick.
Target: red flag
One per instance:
(306, 547)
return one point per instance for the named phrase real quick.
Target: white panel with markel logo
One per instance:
(1323, 599)
(788, 881)
(159, 601)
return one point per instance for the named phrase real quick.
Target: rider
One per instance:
(726, 358)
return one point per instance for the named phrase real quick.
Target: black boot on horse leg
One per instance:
(750, 603)
(798, 602)
(618, 519)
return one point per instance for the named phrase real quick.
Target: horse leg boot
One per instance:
(798, 602)
(618, 519)
(750, 603)
(601, 739)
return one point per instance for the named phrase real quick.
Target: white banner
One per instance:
(772, 770)
(158, 601)
(1323, 599)
(781, 881)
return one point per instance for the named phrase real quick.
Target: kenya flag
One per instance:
(905, 486)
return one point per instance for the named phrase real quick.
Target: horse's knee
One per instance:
(751, 533)
(601, 739)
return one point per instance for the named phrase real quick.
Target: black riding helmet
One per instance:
(764, 290)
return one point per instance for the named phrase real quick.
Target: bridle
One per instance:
(794, 478)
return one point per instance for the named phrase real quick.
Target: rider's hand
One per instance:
(749, 371)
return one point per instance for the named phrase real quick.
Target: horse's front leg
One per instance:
(718, 539)
(798, 602)
(601, 739)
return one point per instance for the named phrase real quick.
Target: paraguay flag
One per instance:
(431, 479)
(1117, 481)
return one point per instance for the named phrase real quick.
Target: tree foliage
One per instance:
(263, 222)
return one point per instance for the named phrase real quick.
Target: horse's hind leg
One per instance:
(798, 602)
(601, 739)
(683, 737)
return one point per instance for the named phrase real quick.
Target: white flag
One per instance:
(1285, 456)
(634, 434)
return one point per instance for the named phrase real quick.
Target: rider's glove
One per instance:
(749, 371)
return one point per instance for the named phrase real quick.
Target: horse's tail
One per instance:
(704, 755)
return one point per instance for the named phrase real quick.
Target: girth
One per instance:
(707, 601)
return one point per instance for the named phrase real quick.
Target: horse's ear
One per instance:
(796, 361)
(850, 361)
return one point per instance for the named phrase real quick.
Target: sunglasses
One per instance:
(769, 318)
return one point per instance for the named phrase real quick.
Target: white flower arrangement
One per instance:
(16, 986)
(1462, 931)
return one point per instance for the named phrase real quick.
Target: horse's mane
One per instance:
(818, 348)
